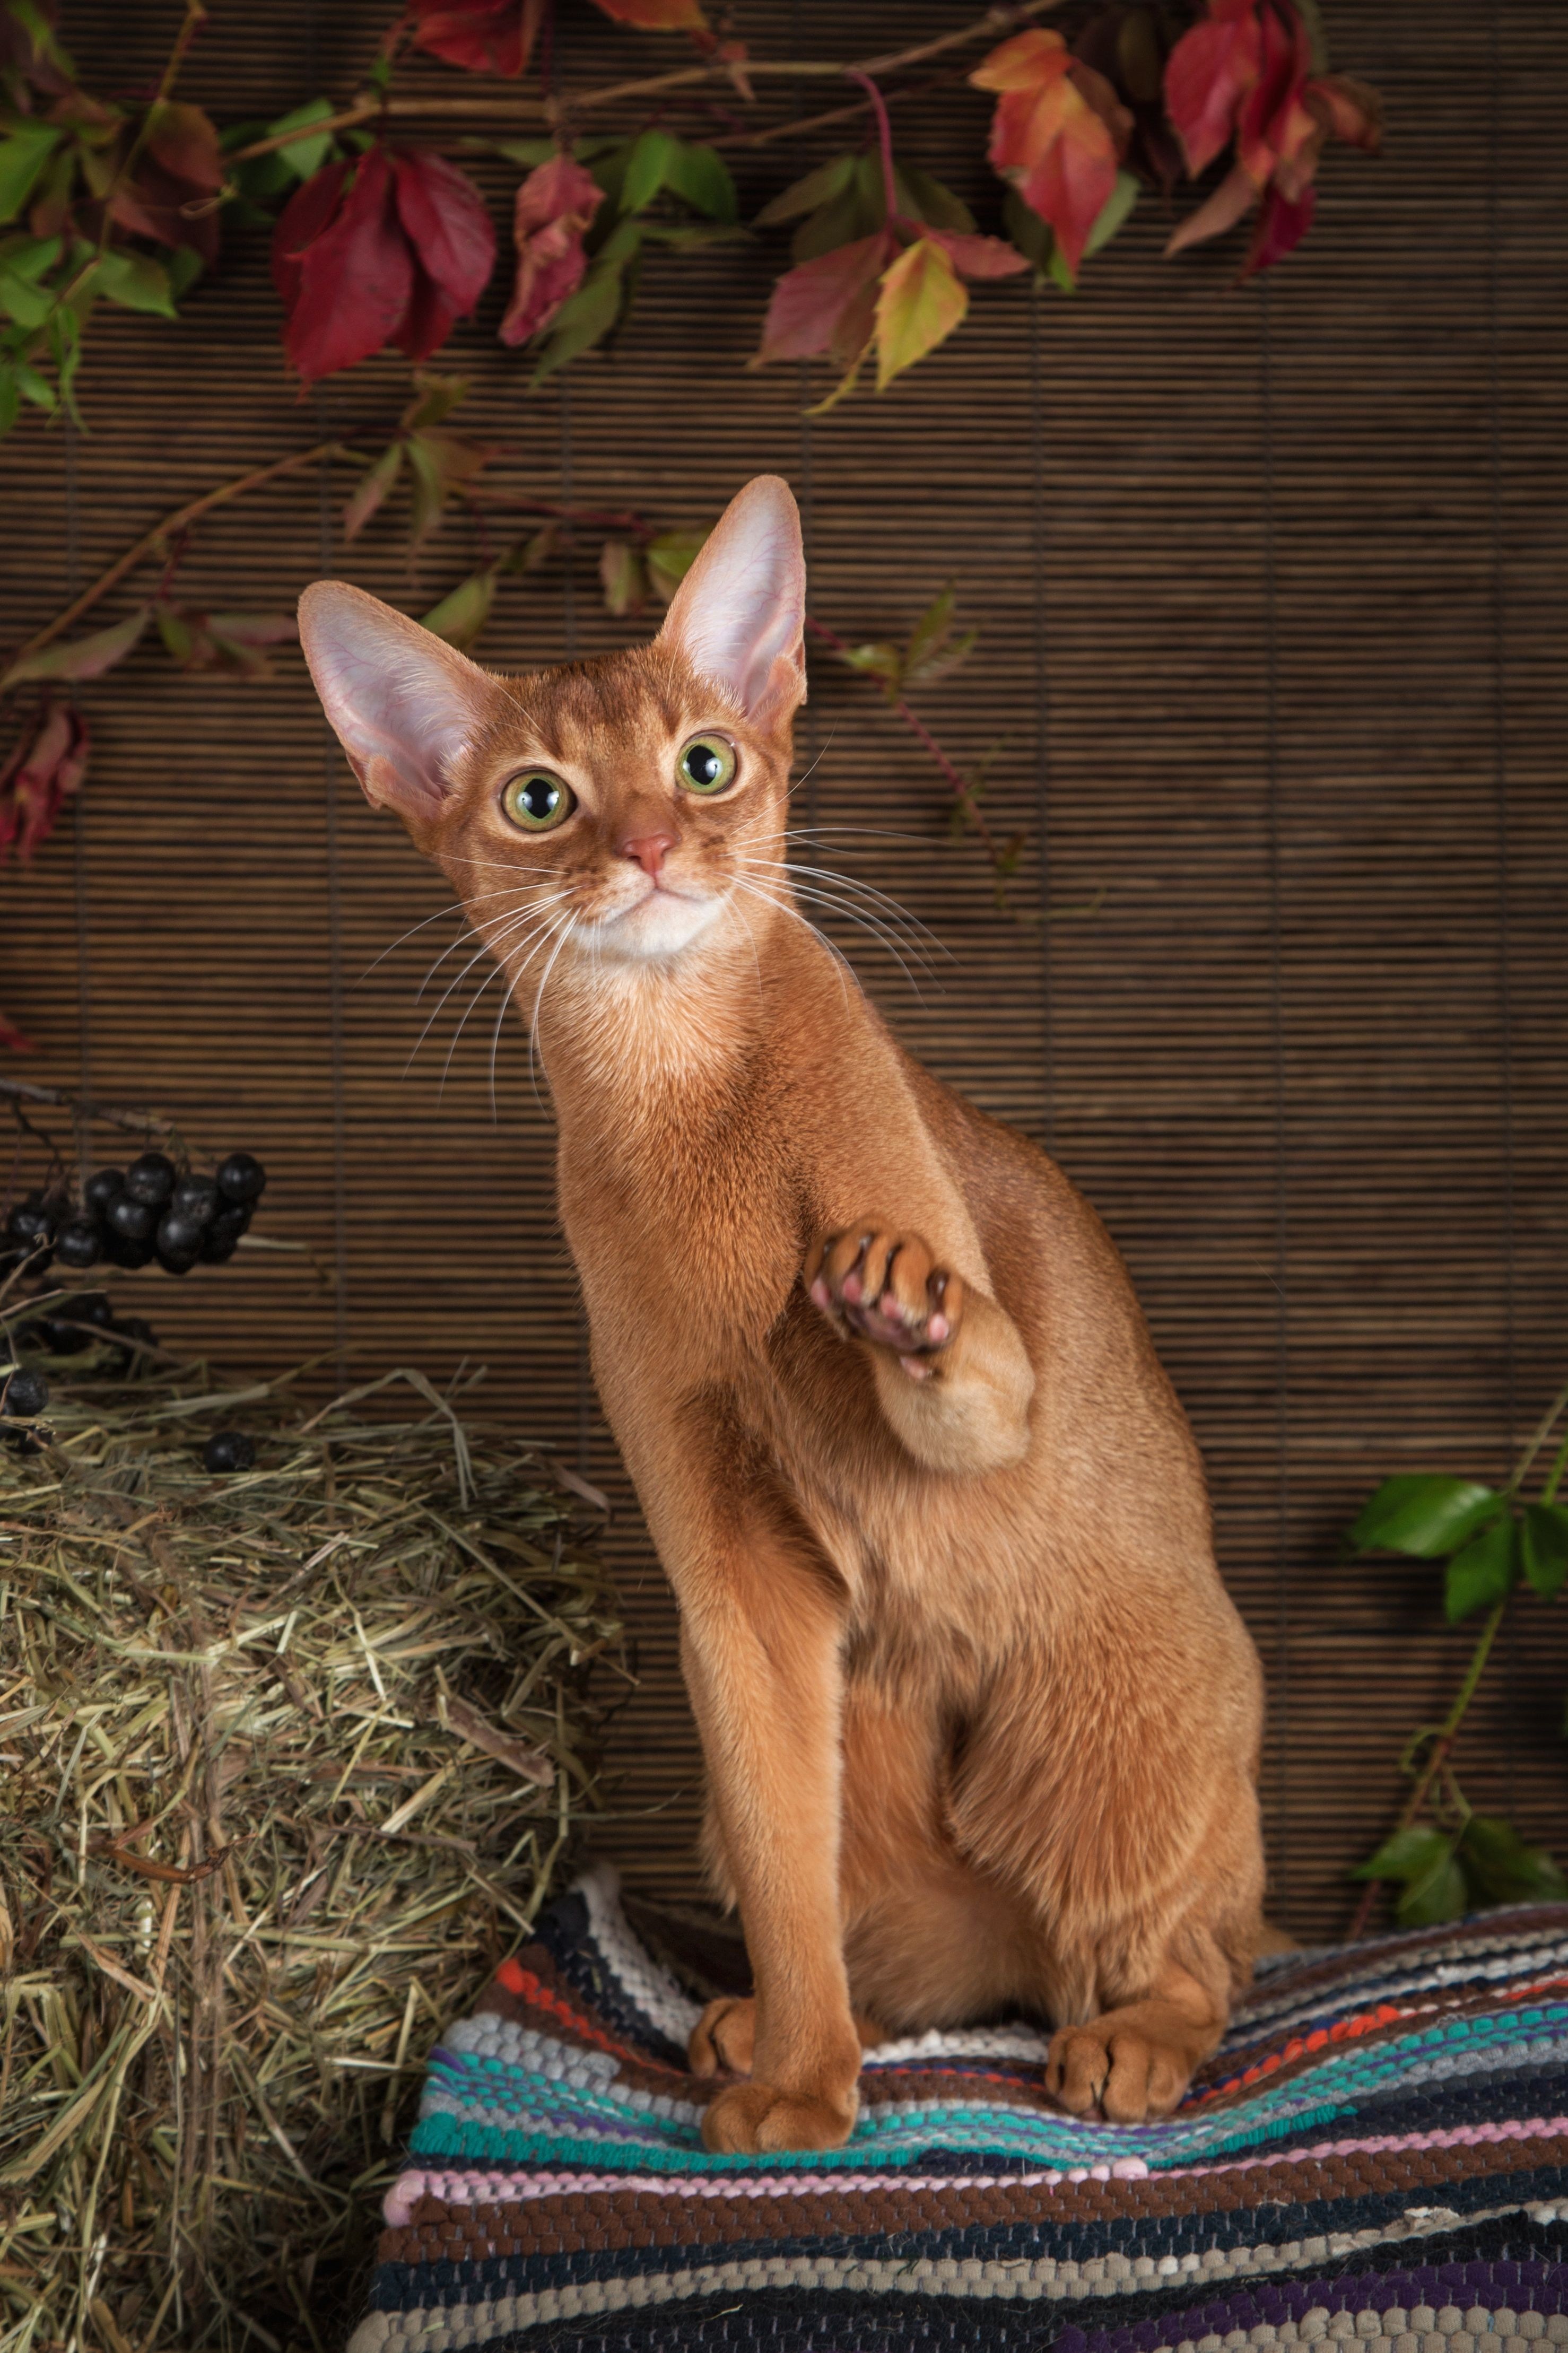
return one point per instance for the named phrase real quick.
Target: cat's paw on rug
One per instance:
(1127, 2066)
(749, 2119)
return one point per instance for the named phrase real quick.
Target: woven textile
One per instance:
(1379, 2150)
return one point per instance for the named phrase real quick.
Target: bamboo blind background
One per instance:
(1270, 591)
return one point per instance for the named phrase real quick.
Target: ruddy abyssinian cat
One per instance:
(980, 1724)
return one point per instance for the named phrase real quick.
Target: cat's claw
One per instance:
(875, 1281)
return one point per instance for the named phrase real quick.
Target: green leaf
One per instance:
(1439, 1893)
(883, 661)
(686, 236)
(527, 153)
(1115, 210)
(585, 320)
(184, 267)
(1545, 1548)
(670, 558)
(36, 388)
(179, 637)
(1057, 272)
(1484, 1572)
(929, 201)
(436, 396)
(136, 282)
(461, 616)
(26, 305)
(819, 187)
(1426, 1514)
(83, 656)
(700, 176)
(429, 489)
(373, 487)
(1029, 232)
(23, 156)
(621, 577)
(1408, 1854)
(1501, 1869)
(304, 157)
(10, 398)
(648, 169)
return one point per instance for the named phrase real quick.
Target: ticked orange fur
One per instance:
(980, 1724)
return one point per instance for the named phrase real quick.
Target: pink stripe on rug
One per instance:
(468, 2189)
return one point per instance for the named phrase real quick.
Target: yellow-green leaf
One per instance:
(459, 617)
(918, 303)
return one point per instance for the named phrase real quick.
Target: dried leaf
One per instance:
(375, 486)
(462, 614)
(623, 577)
(656, 15)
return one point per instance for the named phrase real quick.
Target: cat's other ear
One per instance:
(404, 704)
(738, 616)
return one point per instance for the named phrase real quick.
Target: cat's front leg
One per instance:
(952, 1376)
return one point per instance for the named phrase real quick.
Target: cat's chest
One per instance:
(675, 1244)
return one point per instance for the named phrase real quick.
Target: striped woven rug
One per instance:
(1379, 2150)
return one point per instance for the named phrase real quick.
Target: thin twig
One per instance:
(959, 785)
(510, 106)
(192, 512)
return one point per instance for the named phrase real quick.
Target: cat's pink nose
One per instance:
(648, 850)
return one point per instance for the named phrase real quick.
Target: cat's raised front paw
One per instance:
(876, 1283)
(746, 2118)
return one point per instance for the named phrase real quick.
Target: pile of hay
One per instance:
(288, 1759)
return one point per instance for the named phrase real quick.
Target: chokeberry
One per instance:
(180, 1234)
(101, 1187)
(91, 1307)
(131, 1219)
(62, 1335)
(128, 1249)
(241, 1178)
(150, 1178)
(196, 1197)
(228, 1450)
(23, 1396)
(221, 1239)
(30, 1221)
(78, 1243)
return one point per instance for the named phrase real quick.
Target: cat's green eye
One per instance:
(536, 800)
(708, 764)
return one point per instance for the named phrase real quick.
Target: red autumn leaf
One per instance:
(1059, 133)
(977, 257)
(656, 15)
(1207, 76)
(555, 206)
(42, 773)
(486, 36)
(393, 256)
(453, 246)
(828, 305)
(1275, 127)
(1282, 222)
(172, 193)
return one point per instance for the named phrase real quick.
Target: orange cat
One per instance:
(980, 1721)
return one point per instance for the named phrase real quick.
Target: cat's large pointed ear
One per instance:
(738, 616)
(404, 704)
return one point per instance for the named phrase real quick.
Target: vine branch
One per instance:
(178, 520)
(1449, 1730)
(507, 106)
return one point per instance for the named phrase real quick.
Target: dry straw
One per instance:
(291, 1758)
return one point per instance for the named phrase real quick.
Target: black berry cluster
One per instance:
(129, 1217)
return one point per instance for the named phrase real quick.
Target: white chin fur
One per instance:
(657, 926)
